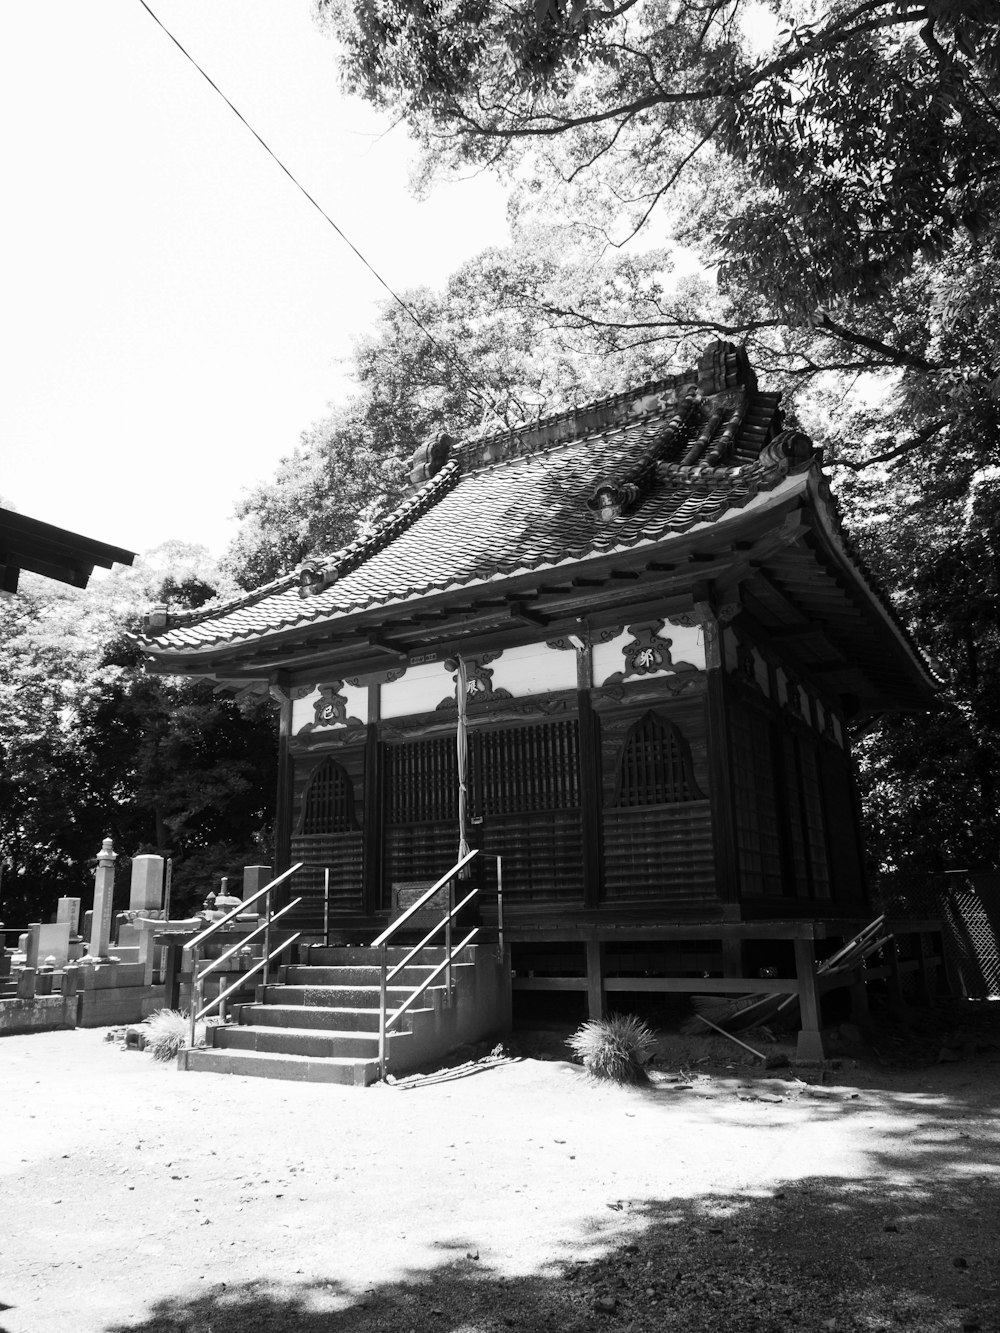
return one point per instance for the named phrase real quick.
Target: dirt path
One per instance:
(521, 1196)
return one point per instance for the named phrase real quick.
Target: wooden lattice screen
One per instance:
(655, 766)
(523, 786)
(524, 769)
(329, 801)
(972, 937)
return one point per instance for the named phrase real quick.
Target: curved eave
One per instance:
(829, 525)
(707, 534)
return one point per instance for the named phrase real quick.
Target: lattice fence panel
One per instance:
(972, 939)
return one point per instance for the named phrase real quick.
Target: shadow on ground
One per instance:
(917, 1248)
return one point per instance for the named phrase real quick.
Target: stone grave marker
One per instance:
(44, 940)
(147, 883)
(68, 909)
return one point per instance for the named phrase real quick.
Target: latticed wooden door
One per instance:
(524, 805)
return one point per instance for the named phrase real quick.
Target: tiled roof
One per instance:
(628, 471)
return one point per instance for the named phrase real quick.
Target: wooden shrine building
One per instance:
(666, 638)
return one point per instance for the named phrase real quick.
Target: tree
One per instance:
(837, 170)
(91, 745)
(481, 359)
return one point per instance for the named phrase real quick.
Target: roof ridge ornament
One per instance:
(429, 458)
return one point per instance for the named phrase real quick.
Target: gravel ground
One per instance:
(505, 1194)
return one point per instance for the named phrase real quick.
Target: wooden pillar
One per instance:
(732, 958)
(810, 1046)
(285, 794)
(858, 991)
(595, 979)
(927, 975)
(373, 821)
(723, 823)
(172, 975)
(590, 799)
(894, 981)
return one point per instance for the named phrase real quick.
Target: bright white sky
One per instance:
(173, 312)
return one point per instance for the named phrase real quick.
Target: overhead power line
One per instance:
(476, 388)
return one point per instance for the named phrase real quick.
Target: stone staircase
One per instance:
(319, 1021)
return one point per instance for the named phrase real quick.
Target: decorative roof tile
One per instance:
(518, 501)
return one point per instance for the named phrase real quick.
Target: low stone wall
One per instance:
(43, 1013)
(113, 993)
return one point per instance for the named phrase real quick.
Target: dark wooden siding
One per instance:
(523, 784)
(797, 834)
(755, 800)
(656, 821)
(849, 883)
(327, 833)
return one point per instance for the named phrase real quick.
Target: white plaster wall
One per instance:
(687, 645)
(534, 669)
(304, 711)
(761, 673)
(419, 690)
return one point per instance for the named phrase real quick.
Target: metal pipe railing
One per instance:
(416, 994)
(423, 899)
(220, 999)
(387, 1020)
(194, 947)
(199, 940)
(430, 935)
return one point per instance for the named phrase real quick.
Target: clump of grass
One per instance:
(168, 1031)
(616, 1048)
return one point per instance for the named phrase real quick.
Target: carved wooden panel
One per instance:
(523, 789)
(755, 800)
(659, 852)
(327, 835)
(328, 804)
(655, 767)
(657, 823)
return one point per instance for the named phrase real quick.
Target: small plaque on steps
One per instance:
(406, 892)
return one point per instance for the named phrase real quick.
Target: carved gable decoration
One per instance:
(479, 687)
(330, 710)
(648, 654)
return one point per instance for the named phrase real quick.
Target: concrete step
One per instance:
(311, 1016)
(359, 955)
(306, 1041)
(299, 974)
(261, 1064)
(340, 997)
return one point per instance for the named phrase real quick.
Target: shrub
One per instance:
(616, 1048)
(168, 1031)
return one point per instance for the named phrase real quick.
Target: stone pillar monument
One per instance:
(68, 909)
(254, 878)
(146, 892)
(104, 892)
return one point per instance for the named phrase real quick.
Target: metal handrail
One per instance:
(199, 940)
(415, 907)
(198, 1009)
(430, 935)
(415, 995)
(244, 940)
(220, 999)
(387, 1020)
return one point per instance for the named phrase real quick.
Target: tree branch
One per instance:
(554, 124)
(895, 355)
(921, 438)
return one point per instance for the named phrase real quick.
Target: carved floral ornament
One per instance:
(479, 687)
(648, 653)
(330, 709)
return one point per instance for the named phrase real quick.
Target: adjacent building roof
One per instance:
(499, 526)
(41, 548)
